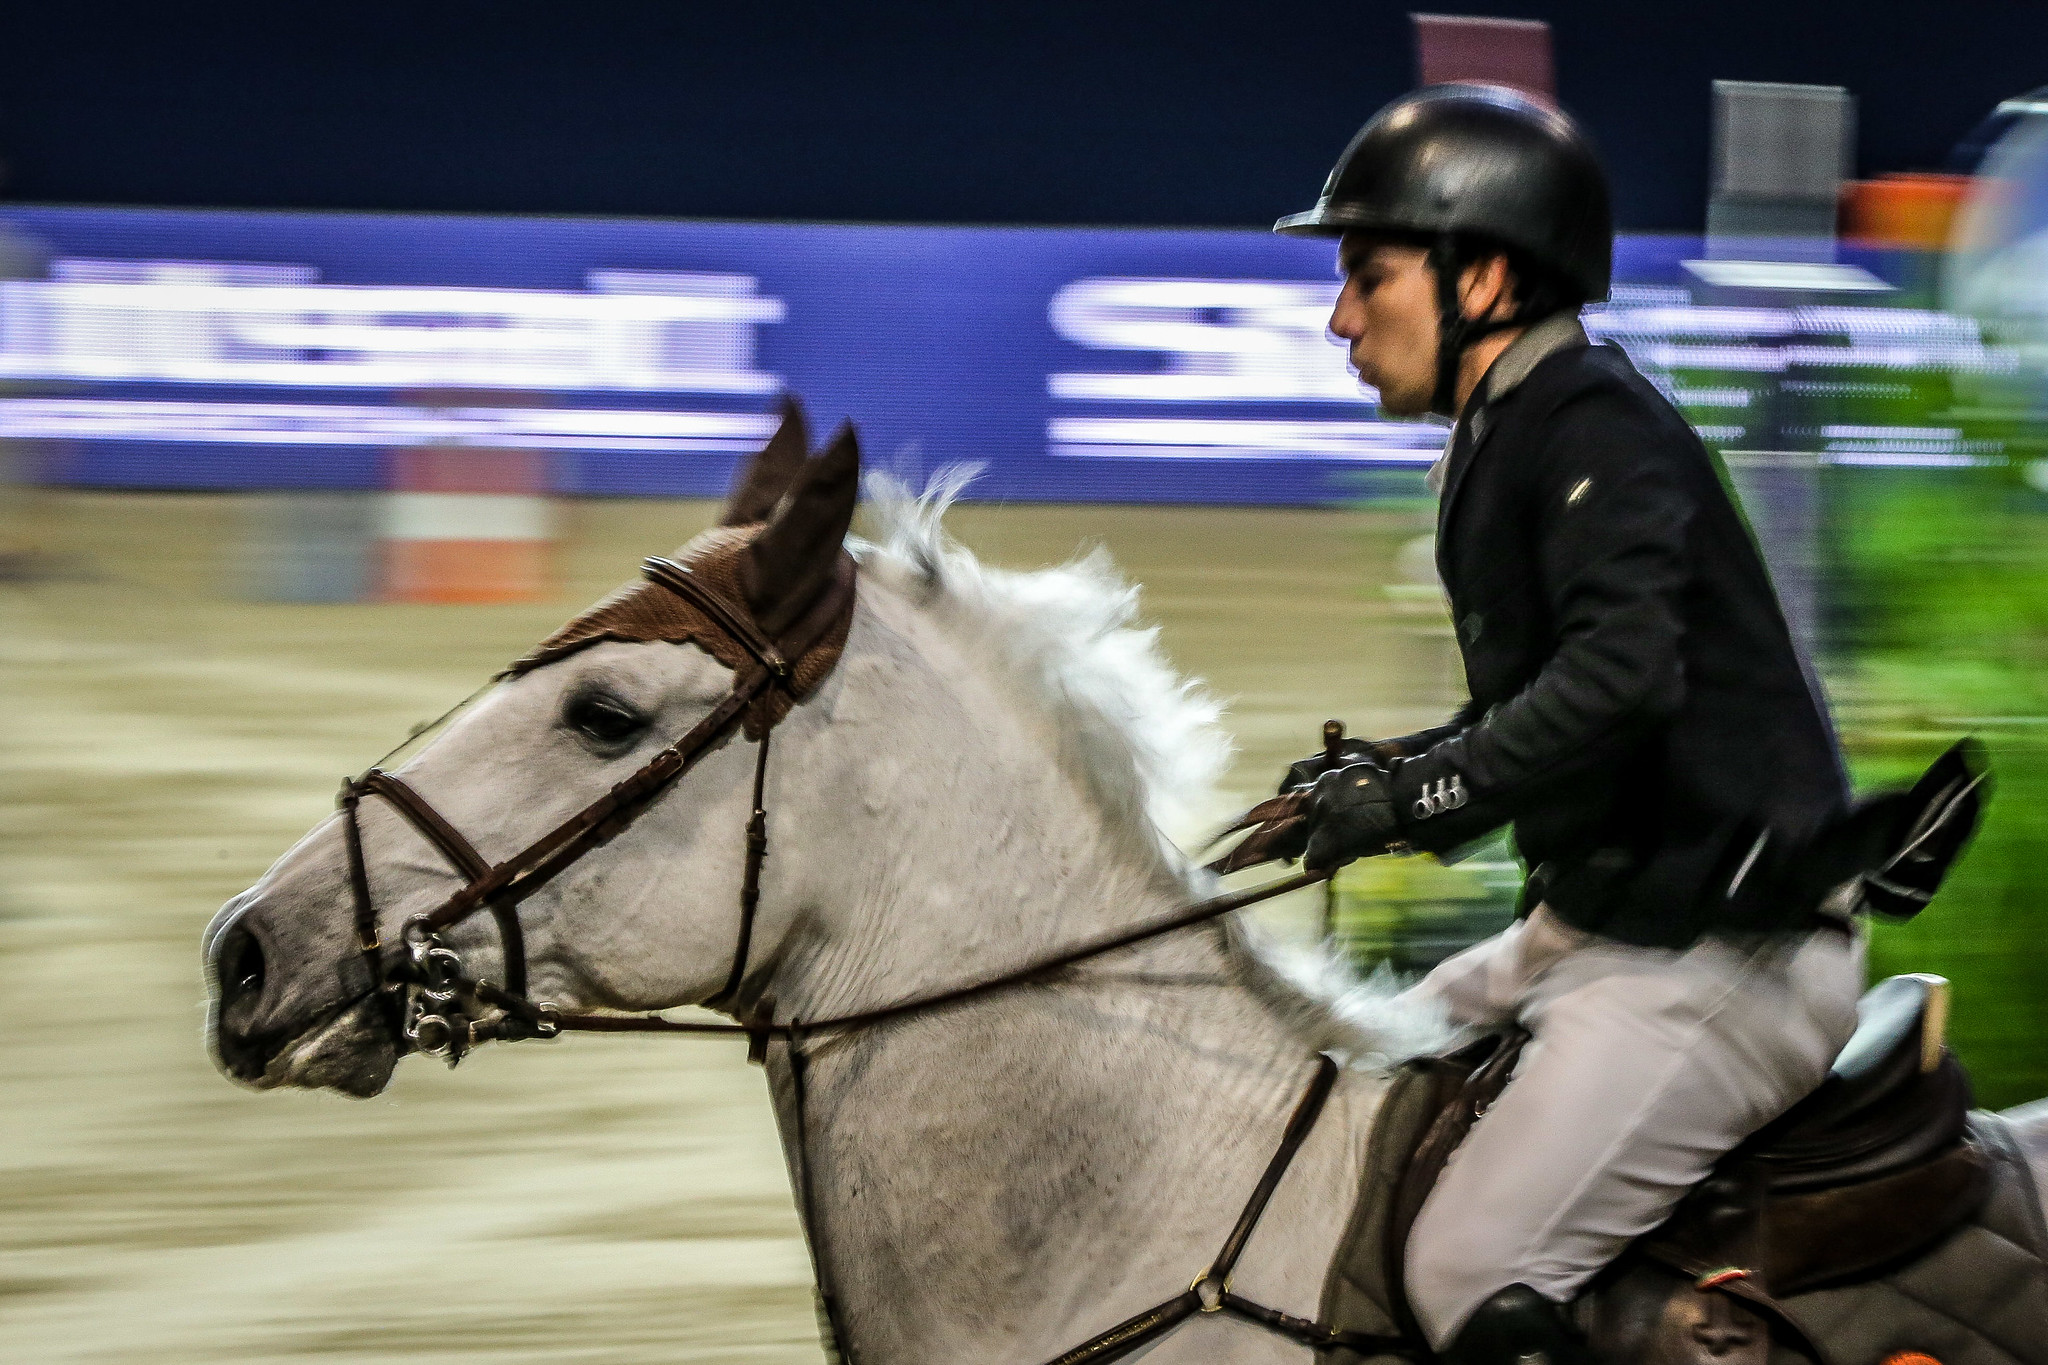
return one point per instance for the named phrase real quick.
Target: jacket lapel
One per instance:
(1559, 332)
(1464, 449)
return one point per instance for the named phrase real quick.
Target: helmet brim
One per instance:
(1334, 220)
(1314, 223)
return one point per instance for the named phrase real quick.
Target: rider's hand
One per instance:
(1351, 814)
(1304, 772)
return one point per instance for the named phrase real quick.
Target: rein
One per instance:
(433, 1006)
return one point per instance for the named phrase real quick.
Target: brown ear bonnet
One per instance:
(644, 612)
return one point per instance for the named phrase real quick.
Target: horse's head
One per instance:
(300, 964)
(964, 765)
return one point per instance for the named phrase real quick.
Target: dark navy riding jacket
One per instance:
(1638, 709)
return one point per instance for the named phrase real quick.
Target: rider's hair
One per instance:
(1539, 290)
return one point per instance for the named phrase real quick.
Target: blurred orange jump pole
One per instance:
(466, 524)
(1912, 210)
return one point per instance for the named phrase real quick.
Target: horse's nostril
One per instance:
(240, 959)
(238, 974)
(248, 968)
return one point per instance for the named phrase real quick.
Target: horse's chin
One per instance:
(351, 1052)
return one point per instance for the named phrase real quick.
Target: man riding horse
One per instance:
(1639, 714)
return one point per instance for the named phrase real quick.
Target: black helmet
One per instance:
(1479, 160)
(1467, 167)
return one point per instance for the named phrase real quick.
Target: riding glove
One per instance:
(1351, 814)
(1384, 752)
(1304, 772)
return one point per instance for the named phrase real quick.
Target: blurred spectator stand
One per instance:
(1780, 154)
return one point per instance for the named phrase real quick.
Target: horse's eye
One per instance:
(603, 718)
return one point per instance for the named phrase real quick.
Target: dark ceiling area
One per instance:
(1116, 112)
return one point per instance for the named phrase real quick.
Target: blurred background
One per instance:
(344, 355)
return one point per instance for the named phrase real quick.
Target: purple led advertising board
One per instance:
(200, 349)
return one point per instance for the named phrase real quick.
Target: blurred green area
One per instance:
(1412, 913)
(1942, 619)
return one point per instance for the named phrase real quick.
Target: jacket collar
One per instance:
(1510, 368)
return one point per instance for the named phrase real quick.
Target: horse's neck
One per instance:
(945, 842)
(1001, 1181)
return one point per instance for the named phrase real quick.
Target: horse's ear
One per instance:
(764, 479)
(794, 557)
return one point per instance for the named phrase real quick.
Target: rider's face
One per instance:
(1387, 312)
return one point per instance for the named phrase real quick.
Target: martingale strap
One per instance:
(1210, 1291)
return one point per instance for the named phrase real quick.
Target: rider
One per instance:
(1638, 711)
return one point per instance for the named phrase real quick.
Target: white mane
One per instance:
(1147, 739)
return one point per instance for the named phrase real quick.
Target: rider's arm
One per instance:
(1612, 510)
(1422, 741)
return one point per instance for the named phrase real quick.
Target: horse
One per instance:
(975, 782)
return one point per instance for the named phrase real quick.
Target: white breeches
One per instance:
(1646, 1065)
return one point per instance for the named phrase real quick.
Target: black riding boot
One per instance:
(1517, 1326)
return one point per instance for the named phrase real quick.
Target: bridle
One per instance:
(433, 1005)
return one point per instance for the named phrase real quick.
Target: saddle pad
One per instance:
(1978, 1298)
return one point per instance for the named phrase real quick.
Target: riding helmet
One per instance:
(1481, 161)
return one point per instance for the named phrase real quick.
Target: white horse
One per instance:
(977, 784)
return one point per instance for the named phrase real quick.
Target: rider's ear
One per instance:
(793, 558)
(764, 479)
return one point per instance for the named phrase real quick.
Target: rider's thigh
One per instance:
(1827, 972)
(1646, 1066)
(1485, 985)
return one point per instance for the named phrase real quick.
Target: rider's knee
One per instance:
(1449, 1273)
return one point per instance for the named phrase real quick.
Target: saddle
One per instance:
(1870, 1169)
(1875, 1168)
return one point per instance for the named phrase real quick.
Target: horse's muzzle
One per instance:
(263, 1038)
